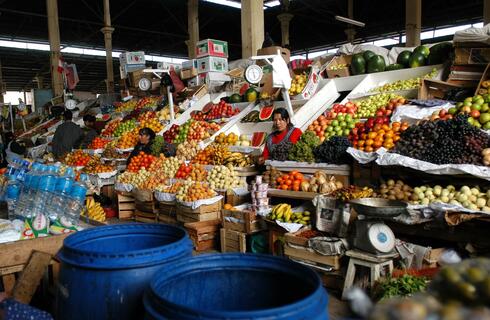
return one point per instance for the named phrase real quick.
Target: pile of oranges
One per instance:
(203, 156)
(77, 158)
(98, 143)
(128, 140)
(380, 135)
(151, 123)
(142, 160)
(291, 181)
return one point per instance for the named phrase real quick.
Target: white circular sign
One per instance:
(254, 74)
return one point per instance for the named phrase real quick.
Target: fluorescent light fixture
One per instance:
(272, 4)
(350, 21)
(226, 3)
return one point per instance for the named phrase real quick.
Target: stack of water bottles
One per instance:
(46, 201)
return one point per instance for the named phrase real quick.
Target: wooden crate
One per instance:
(203, 213)
(309, 256)
(436, 89)
(245, 221)
(147, 217)
(294, 238)
(233, 241)
(125, 206)
(236, 200)
(204, 234)
(167, 212)
(144, 201)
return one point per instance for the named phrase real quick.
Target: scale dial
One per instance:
(144, 84)
(70, 104)
(253, 73)
(381, 237)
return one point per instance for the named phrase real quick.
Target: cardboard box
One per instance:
(311, 85)
(471, 55)
(285, 53)
(135, 77)
(212, 64)
(213, 78)
(188, 73)
(345, 72)
(211, 47)
(136, 57)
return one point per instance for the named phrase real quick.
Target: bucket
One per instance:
(236, 286)
(105, 270)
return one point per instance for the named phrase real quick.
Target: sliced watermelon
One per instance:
(258, 139)
(207, 107)
(266, 113)
(244, 89)
(106, 117)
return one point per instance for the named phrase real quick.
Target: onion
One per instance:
(305, 186)
(485, 151)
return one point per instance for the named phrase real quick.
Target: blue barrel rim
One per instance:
(71, 254)
(207, 262)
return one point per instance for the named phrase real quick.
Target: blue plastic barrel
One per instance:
(105, 270)
(236, 286)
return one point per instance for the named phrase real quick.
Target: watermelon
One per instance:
(358, 64)
(106, 117)
(394, 66)
(376, 64)
(417, 59)
(244, 89)
(251, 95)
(258, 139)
(404, 58)
(207, 107)
(266, 113)
(235, 98)
(439, 53)
(423, 50)
(368, 54)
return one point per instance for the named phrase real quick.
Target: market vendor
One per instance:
(89, 132)
(284, 135)
(67, 136)
(146, 137)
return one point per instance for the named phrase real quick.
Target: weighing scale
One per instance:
(371, 234)
(145, 84)
(280, 76)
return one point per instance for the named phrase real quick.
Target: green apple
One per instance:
(453, 110)
(486, 126)
(476, 106)
(484, 118)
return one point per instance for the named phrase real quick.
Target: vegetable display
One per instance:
(302, 151)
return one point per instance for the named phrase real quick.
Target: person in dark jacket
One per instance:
(146, 137)
(89, 131)
(67, 136)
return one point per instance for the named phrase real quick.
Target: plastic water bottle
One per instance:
(24, 197)
(54, 208)
(23, 169)
(74, 205)
(28, 193)
(12, 196)
(12, 168)
(36, 212)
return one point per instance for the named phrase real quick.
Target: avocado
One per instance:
(358, 64)
(404, 58)
(376, 64)
(417, 59)
(368, 54)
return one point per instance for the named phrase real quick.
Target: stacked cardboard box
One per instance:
(212, 61)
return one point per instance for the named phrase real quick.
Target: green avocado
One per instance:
(358, 64)
(404, 58)
(376, 64)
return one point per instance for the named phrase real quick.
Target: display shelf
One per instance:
(297, 195)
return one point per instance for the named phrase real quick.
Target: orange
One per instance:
(369, 149)
(369, 142)
(361, 143)
(372, 135)
(385, 127)
(377, 144)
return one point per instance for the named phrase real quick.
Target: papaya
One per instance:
(376, 64)
(358, 64)
(439, 53)
(404, 58)
(417, 59)
(423, 50)
(368, 54)
(394, 66)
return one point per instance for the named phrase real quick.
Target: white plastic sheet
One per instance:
(196, 204)
(413, 113)
(481, 35)
(164, 196)
(361, 156)
(123, 187)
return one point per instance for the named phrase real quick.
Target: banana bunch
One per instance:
(352, 192)
(220, 153)
(237, 159)
(94, 210)
(284, 213)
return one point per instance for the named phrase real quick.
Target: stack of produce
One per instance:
(170, 189)
(151, 123)
(95, 166)
(183, 171)
(441, 142)
(124, 127)
(349, 108)
(395, 191)
(154, 181)
(164, 114)
(142, 160)
(284, 213)
(125, 106)
(237, 159)
(291, 181)
(321, 183)
(94, 210)
(147, 102)
(77, 158)
(170, 167)
(244, 141)
(412, 83)
(158, 163)
(198, 173)
(373, 134)
(229, 139)
(137, 179)
(98, 143)
(193, 131)
(352, 192)
(157, 145)
(192, 191)
(128, 140)
(258, 193)
(265, 114)
(271, 176)
(333, 151)
(171, 134)
(187, 150)
(302, 151)
(127, 177)
(224, 178)
(213, 154)
(111, 153)
(216, 111)
(341, 125)
(367, 107)
(477, 108)
(298, 83)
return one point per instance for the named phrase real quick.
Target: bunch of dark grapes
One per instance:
(333, 150)
(452, 141)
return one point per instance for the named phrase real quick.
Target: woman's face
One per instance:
(280, 124)
(144, 139)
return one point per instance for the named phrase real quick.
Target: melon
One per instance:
(207, 107)
(266, 113)
(258, 139)
(244, 89)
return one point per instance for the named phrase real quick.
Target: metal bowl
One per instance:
(378, 207)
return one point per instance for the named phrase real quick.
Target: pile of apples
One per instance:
(349, 108)
(77, 158)
(171, 133)
(164, 114)
(142, 160)
(147, 102)
(110, 127)
(200, 130)
(217, 111)
(369, 106)
(124, 127)
(341, 125)
(183, 171)
(152, 123)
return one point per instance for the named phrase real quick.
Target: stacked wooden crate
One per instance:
(145, 206)
(204, 234)
(204, 212)
(125, 206)
(167, 212)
